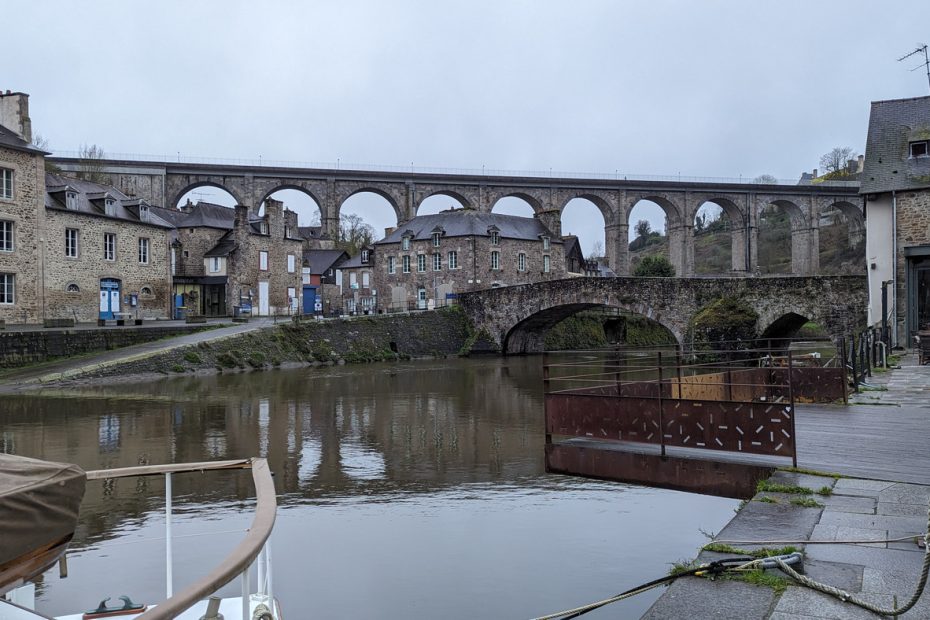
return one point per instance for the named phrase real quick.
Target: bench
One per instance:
(121, 317)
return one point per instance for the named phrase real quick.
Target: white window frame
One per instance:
(545, 244)
(392, 265)
(547, 263)
(214, 264)
(262, 260)
(495, 238)
(453, 259)
(6, 183)
(405, 263)
(495, 260)
(7, 238)
(109, 207)
(291, 263)
(353, 279)
(366, 279)
(72, 242)
(436, 240)
(405, 243)
(7, 289)
(421, 263)
(437, 262)
(364, 256)
(71, 201)
(521, 261)
(144, 248)
(109, 246)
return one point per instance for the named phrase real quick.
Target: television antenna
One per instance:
(926, 63)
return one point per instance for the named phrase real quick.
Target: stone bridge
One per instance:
(517, 317)
(164, 183)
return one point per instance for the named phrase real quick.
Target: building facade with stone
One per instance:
(431, 258)
(22, 214)
(355, 277)
(896, 188)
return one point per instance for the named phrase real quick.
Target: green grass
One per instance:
(824, 491)
(766, 486)
(682, 567)
(806, 502)
(759, 577)
(767, 499)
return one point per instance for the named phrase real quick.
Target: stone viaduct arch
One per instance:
(516, 317)
(163, 183)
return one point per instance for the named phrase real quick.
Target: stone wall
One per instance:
(27, 212)
(88, 268)
(19, 348)
(349, 340)
(195, 242)
(913, 227)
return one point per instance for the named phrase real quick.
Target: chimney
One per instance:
(274, 216)
(851, 165)
(861, 163)
(389, 230)
(14, 114)
(551, 220)
(815, 173)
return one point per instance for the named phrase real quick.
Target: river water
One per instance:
(407, 490)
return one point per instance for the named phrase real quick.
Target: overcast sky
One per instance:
(716, 89)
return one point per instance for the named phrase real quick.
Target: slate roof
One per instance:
(90, 198)
(892, 125)
(355, 262)
(310, 232)
(11, 140)
(320, 261)
(468, 222)
(224, 247)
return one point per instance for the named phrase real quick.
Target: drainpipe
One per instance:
(894, 268)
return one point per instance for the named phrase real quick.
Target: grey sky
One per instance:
(721, 89)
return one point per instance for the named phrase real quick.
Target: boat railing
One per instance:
(251, 550)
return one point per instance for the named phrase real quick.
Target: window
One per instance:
(495, 238)
(143, 251)
(437, 262)
(7, 282)
(291, 263)
(214, 264)
(392, 268)
(6, 236)
(521, 262)
(545, 244)
(263, 227)
(495, 260)
(263, 260)
(73, 288)
(405, 243)
(6, 184)
(109, 246)
(364, 256)
(421, 263)
(406, 263)
(435, 239)
(366, 279)
(453, 260)
(146, 291)
(71, 201)
(353, 280)
(546, 263)
(919, 149)
(110, 207)
(71, 242)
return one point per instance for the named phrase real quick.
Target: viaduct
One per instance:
(164, 183)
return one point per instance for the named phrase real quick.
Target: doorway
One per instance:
(109, 298)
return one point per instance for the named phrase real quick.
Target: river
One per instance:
(412, 490)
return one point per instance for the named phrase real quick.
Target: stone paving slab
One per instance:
(853, 486)
(901, 510)
(845, 576)
(906, 493)
(849, 503)
(839, 532)
(796, 602)
(912, 524)
(732, 600)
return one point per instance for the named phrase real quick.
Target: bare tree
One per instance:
(597, 251)
(354, 233)
(643, 228)
(765, 179)
(91, 164)
(41, 142)
(836, 159)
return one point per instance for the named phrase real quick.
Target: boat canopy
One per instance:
(39, 503)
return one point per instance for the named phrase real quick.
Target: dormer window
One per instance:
(71, 200)
(364, 256)
(263, 227)
(405, 242)
(436, 236)
(144, 212)
(495, 237)
(919, 149)
(110, 206)
(545, 241)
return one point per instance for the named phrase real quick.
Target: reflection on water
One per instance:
(413, 489)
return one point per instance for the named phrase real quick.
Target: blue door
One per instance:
(309, 299)
(109, 298)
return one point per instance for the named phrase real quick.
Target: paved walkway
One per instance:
(49, 372)
(888, 438)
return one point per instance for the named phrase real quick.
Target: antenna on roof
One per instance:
(925, 63)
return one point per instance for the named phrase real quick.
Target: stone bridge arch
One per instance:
(516, 317)
(179, 186)
(468, 196)
(315, 190)
(736, 208)
(677, 228)
(395, 193)
(537, 198)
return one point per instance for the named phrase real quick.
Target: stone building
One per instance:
(22, 214)
(355, 277)
(896, 188)
(105, 253)
(321, 281)
(224, 258)
(429, 259)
